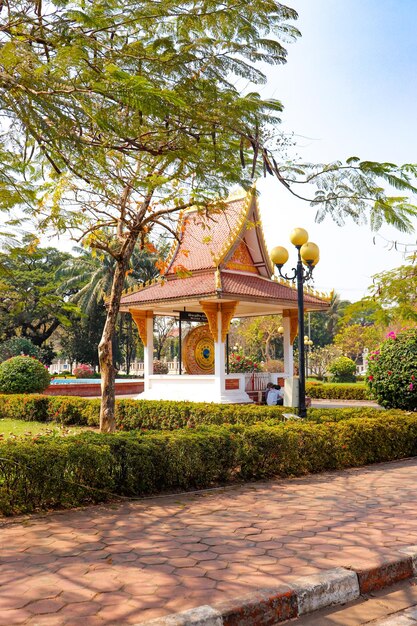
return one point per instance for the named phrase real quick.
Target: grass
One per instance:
(19, 428)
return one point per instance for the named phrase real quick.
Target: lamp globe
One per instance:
(279, 255)
(298, 236)
(309, 253)
(281, 330)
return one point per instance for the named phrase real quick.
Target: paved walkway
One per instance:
(125, 563)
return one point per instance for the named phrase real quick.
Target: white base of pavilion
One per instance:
(230, 390)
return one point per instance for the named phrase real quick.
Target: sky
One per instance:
(348, 88)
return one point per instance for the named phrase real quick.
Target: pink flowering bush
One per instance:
(392, 371)
(238, 363)
(23, 374)
(83, 371)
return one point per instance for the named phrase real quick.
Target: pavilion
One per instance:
(219, 269)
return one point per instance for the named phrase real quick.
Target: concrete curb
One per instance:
(267, 607)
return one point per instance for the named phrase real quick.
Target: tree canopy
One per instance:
(396, 293)
(30, 305)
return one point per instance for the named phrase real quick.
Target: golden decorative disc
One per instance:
(198, 351)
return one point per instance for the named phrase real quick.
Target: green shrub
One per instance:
(29, 408)
(336, 415)
(392, 371)
(342, 370)
(159, 415)
(51, 472)
(17, 346)
(168, 415)
(73, 411)
(334, 391)
(23, 374)
(91, 467)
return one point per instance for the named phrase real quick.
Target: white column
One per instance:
(219, 361)
(148, 351)
(288, 349)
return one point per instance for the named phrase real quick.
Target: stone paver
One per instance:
(126, 563)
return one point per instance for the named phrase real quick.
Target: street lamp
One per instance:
(308, 254)
(307, 344)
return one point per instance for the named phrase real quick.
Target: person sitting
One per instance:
(266, 392)
(273, 396)
(280, 400)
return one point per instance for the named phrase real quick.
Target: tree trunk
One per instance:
(267, 349)
(105, 347)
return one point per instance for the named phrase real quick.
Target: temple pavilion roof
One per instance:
(219, 259)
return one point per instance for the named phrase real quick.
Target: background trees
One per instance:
(31, 305)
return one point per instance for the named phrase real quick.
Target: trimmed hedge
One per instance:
(91, 467)
(23, 374)
(158, 415)
(131, 414)
(334, 391)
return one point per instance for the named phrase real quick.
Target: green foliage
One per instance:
(30, 408)
(161, 415)
(365, 312)
(258, 336)
(352, 340)
(17, 346)
(79, 342)
(319, 359)
(396, 291)
(342, 370)
(322, 324)
(321, 415)
(131, 414)
(336, 392)
(52, 472)
(23, 374)
(31, 306)
(69, 471)
(392, 371)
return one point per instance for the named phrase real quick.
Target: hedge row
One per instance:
(159, 415)
(131, 414)
(91, 467)
(334, 391)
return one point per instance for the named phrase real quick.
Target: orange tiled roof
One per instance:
(202, 240)
(203, 284)
(227, 258)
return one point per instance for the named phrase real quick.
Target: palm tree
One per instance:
(335, 312)
(89, 277)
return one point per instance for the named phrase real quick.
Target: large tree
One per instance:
(395, 294)
(256, 335)
(122, 114)
(352, 340)
(30, 303)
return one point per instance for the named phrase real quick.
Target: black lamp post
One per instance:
(308, 254)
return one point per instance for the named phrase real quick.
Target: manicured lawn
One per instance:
(19, 428)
